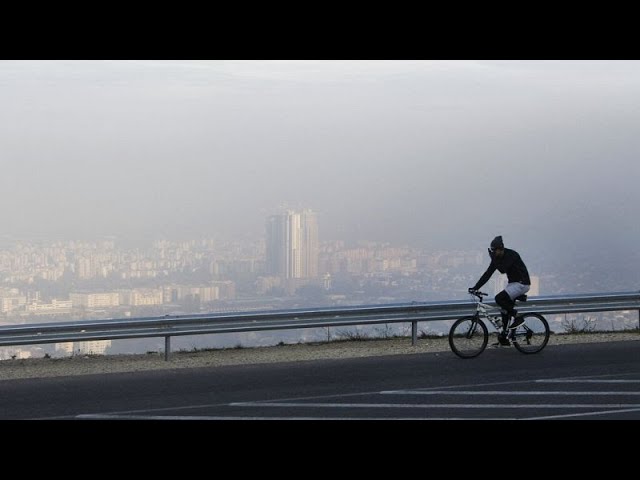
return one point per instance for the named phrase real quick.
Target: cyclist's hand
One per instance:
(472, 291)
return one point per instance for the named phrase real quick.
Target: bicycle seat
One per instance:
(522, 298)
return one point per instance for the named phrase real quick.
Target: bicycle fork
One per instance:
(472, 327)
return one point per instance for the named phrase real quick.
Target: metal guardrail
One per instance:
(176, 325)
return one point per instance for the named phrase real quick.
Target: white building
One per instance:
(535, 286)
(11, 303)
(91, 347)
(66, 347)
(95, 300)
(146, 296)
(13, 352)
(56, 306)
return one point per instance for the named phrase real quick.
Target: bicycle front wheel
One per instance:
(468, 337)
(533, 335)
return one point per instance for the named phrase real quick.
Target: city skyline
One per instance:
(40, 282)
(204, 271)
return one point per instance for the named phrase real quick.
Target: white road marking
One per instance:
(144, 410)
(583, 414)
(342, 395)
(466, 385)
(578, 377)
(554, 380)
(435, 405)
(501, 392)
(174, 417)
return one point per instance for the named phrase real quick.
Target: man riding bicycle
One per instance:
(506, 261)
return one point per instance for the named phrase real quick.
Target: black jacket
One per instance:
(511, 264)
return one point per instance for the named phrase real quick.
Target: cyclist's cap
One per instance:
(497, 243)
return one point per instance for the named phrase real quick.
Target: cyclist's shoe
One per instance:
(502, 341)
(516, 322)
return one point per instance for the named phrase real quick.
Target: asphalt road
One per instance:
(582, 381)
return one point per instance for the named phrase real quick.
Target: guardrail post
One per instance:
(414, 332)
(167, 347)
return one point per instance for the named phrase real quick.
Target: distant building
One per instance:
(95, 300)
(56, 306)
(11, 303)
(85, 268)
(292, 245)
(66, 347)
(14, 352)
(95, 347)
(226, 289)
(145, 297)
(92, 347)
(534, 291)
(265, 284)
(499, 283)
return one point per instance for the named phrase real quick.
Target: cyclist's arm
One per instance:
(485, 276)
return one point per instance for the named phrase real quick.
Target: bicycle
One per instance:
(468, 336)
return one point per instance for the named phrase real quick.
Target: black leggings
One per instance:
(504, 300)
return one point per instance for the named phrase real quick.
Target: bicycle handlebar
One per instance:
(479, 294)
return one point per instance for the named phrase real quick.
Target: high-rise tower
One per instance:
(292, 244)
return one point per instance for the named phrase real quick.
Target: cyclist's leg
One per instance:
(513, 291)
(504, 300)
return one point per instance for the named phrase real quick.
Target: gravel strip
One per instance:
(84, 365)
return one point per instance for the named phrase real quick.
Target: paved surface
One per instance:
(583, 381)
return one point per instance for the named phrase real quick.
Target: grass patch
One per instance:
(578, 326)
(595, 332)
(352, 335)
(427, 335)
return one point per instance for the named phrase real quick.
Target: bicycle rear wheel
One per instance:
(533, 335)
(468, 337)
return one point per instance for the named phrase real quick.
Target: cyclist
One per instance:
(506, 261)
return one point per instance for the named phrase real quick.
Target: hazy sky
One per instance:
(433, 153)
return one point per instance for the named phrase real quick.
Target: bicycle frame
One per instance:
(487, 312)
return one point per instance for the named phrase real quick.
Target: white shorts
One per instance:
(515, 289)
